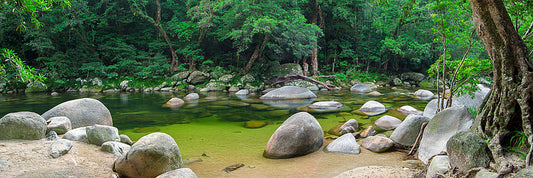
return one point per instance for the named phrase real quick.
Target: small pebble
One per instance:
(251, 166)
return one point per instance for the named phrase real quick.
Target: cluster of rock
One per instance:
(88, 120)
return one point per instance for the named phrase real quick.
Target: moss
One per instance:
(425, 84)
(146, 129)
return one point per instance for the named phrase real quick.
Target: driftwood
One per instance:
(415, 145)
(290, 77)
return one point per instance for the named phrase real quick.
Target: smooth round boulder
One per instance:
(372, 108)
(288, 93)
(174, 102)
(299, 135)
(60, 125)
(181, 173)
(409, 110)
(466, 150)
(361, 88)
(423, 94)
(405, 134)
(191, 97)
(377, 144)
(387, 122)
(242, 92)
(152, 155)
(99, 134)
(344, 144)
(125, 139)
(22, 125)
(82, 112)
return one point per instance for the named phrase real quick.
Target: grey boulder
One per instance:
(388, 122)
(152, 155)
(288, 93)
(467, 150)
(439, 130)
(197, 77)
(115, 148)
(361, 88)
(181, 173)
(242, 92)
(423, 94)
(299, 135)
(60, 125)
(78, 134)
(409, 110)
(373, 108)
(60, 147)
(22, 125)
(82, 112)
(405, 134)
(98, 134)
(377, 143)
(344, 144)
(191, 97)
(125, 139)
(439, 165)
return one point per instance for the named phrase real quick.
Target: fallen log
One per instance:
(290, 77)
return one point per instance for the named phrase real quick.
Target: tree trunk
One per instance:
(317, 12)
(257, 53)
(509, 104)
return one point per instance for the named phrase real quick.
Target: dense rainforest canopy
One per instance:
(151, 39)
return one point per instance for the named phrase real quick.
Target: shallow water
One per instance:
(213, 130)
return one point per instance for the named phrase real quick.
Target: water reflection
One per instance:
(288, 104)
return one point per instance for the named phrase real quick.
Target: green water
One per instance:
(211, 129)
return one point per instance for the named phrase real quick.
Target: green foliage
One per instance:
(468, 76)
(518, 143)
(12, 69)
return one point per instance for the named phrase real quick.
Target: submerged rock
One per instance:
(299, 135)
(233, 167)
(289, 92)
(22, 125)
(82, 112)
(324, 107)
(254, 124)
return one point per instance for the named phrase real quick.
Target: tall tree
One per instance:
(510, 104)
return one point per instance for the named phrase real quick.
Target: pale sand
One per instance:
(31, 159)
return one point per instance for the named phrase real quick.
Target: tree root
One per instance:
(418, 138)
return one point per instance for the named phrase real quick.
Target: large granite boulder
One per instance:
(299, 135)
(22, 125)
(377, 143)
(60, 125)
(387, 122)
(373, 108)
(99, 134)
(361, 88)
(472, 101)
(431, 108)
(288, 93)
(197, 77)
(405, 134)
(82, 112)
(152, 155)
(60, 147)
(344, 144)
(467, 150)
(439, 130)
(181, 173)
(439, 165)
